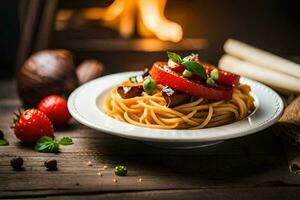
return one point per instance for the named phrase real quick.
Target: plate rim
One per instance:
(81, 119)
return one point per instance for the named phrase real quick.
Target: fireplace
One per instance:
(119, 30)
(131, 34)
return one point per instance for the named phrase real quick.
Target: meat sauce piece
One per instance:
(174, 98)
(130, 91)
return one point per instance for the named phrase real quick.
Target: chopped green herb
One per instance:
(195, 68)
(214, 74)
(149, 85)
(132, 79)
(3, 142)
(210, 81)
(120, 170)
(174, 56)
(187, 73)
(66, 141)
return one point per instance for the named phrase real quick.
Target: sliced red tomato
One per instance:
(225, 78)
(168, 77)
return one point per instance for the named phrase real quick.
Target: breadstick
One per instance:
(259, 73)
(261, 57)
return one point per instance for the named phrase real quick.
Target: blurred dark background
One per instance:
(30, 25)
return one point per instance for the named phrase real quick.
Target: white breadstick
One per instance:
(261, 57)
(259, 73)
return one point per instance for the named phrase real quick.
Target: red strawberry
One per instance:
(55, 107)
(31, 125)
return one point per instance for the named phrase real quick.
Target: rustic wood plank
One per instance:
(290, 193)
(227, 193)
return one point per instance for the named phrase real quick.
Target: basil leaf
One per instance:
(46, 145)
(174, 56)
(195, 68)
(4, 142)
(66, 141)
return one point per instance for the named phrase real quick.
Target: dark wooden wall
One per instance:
(9, 32)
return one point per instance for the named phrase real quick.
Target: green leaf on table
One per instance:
(66, 141)
(47, 145)
(174, 57)
(195, 68)
(3, 142)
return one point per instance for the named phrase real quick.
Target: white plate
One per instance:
(85, 105)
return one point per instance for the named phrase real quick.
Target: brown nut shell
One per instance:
(89, 70)
(46, 72)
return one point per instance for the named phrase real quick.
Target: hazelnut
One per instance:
(89, 70)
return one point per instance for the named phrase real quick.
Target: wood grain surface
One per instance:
(251, 167)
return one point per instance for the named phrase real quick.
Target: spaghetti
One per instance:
(151, 111)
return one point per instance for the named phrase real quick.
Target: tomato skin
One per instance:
(176, 81)
(225, 78)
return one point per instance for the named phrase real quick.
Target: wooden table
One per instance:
(252, 167)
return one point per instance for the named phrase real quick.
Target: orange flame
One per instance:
(121, 15)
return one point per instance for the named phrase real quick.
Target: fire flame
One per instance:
(149, 16)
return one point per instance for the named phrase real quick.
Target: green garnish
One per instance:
(48, 145)
(195, 68)
(210, 81)
(66, 141)
(149, 85)
(188, 64)
(3, 142)
(187, 73)
(120, 170)
(175, 57)
(132, 79)
(214, 74)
